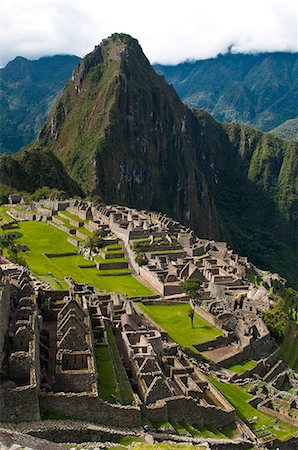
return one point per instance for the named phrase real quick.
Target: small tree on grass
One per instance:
(96, 241)
(141, 260)
(191, 287)
(191, 315)
(7, 240)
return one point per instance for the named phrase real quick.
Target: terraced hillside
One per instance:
(52, 258)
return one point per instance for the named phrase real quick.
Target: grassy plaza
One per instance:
(174, 319)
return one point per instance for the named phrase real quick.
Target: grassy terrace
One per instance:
(113, 383)
(72, 216)
(238, 398)
(4, 217)
(107, 261)
(174, 319)
(40, 238)
(197, 431)
(242, 367)
(68, 225)
(159, 446)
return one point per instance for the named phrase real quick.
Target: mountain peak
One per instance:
(116, 48)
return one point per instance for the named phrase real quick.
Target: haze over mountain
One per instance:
(260, 90)
(120, 132)
(28, 89)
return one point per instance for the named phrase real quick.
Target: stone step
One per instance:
(279, 367)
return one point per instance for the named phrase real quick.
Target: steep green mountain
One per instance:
(119, 131)
(260, 90)
(287, 130)
(27, 90)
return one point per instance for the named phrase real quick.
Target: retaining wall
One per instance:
(91, 408)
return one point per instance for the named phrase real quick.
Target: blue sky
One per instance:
(168, 31)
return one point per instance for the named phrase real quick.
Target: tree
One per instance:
(191, 315)
(191, 287)
(7, 240)
(96, 241)
(141, 260)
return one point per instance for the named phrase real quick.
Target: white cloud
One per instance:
(169, 31)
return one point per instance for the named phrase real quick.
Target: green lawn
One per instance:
(113, 383)
(238, 398)
(40, 237)
(242, 367)
(107, 385)
(107, 261)
(174, 319)
(72, 216)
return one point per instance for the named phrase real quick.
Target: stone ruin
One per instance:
(168, 384)
(48, 363)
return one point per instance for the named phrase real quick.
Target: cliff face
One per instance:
(119, 131)
(122, 133)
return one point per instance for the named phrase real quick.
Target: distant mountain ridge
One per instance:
(260, 90)
(120, 132)
(287, 130)
(27, 91)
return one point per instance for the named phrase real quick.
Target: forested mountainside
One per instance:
(27, 91)
(260, 90)
(287, 130)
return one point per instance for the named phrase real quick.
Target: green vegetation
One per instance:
(290, 345)
(239, 399)
(28, 88)
(287, 130)
(39, 238)
(113, 383)
(49, 415)
(174, 319)
(239, 87)
(197, 431)
(167, 446)
(191, 287)
(242, 367)
(8, 242)
(126, 440)
(283, 310)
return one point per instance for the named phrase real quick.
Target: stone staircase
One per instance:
(278, 368)
(56, 425)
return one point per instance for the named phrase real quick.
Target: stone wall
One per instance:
(152, 279)
(275, 413)
(243, 353)
(209, 317)
(73, 241)
(73, 382)
(186, 409)
(220, 341)
(4, 314)
(81, 235)
(90, 408)
(112, 265)
(78, 435)
(291, 444)
(19, 404)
